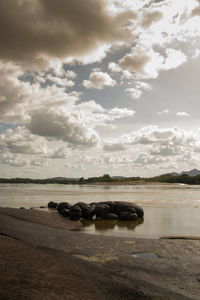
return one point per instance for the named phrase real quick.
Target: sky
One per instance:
(99, 86)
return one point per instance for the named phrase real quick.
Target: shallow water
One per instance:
(169, 209)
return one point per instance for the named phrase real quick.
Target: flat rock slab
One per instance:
(41, 260)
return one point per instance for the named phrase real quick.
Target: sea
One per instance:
(169, 210)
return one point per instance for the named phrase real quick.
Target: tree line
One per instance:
(106, 178)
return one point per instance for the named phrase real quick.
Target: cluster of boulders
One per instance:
(109, 210)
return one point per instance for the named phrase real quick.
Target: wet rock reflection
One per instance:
(109, 225)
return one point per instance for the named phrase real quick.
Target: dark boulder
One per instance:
(139, 211)
(75, 212)
(87, 211)
(127, 216)
(93, 203)
(129, 207)
(52, 204)
(101, 210)
(64, 212)
(63, 205)
(111, 217)
(111, 204)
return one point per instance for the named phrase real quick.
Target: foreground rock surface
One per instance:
(38, 261)
(109, 210)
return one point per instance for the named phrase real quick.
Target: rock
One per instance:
(63, 205)
(101, 210)
(129, 207)
(22, 207)
(139, 211)
(111, 217)
(109, 210)
(87, 211)
(111, 204)
(52, 204)
(64, 212)
(42, 207)
(93, 203)
(75, 212)
(127, 216)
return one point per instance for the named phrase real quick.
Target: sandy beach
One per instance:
(44, 256)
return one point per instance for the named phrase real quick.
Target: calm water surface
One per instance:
(169, 209)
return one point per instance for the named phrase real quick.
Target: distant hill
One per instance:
(62, 179)
(118, 177)
(191, 173)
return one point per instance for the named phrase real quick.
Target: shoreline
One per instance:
(103, 183)
(43, 256)
(135, 183)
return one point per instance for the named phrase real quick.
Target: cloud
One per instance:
(165, 111)
(134, 93)
(196, 10)
(94, 115)
(63, 82)
(18, 95)
(182, 114)
(151, 135)
(57, 126)
(114, 67)
(34, 31)
(174, 59)
(49, 111)
(21, 141)
(77, 124)
(13, 160)
(149, 148)
(98, 79)
(196, 54)
(43, 42)
(135, 61)
(142, 85)
(150, 18)
(137, 92)
(113, 147)
(166, 151)
(145, 63)
(13, 92)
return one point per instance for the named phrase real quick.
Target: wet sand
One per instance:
(44, 256)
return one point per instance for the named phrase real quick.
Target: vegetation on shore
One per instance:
(167, 178)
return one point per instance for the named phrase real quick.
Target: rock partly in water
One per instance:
(63, 205)
(129, 207)
(87, 211)
(127, 216)
(101, 210)
(64, 212)
(109, 210)
(111, 204)
(52, 204)
(111, 216)
(75, 212)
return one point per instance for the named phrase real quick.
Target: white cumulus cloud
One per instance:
(98, 80)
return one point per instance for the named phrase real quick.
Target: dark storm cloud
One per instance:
(31, 29)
